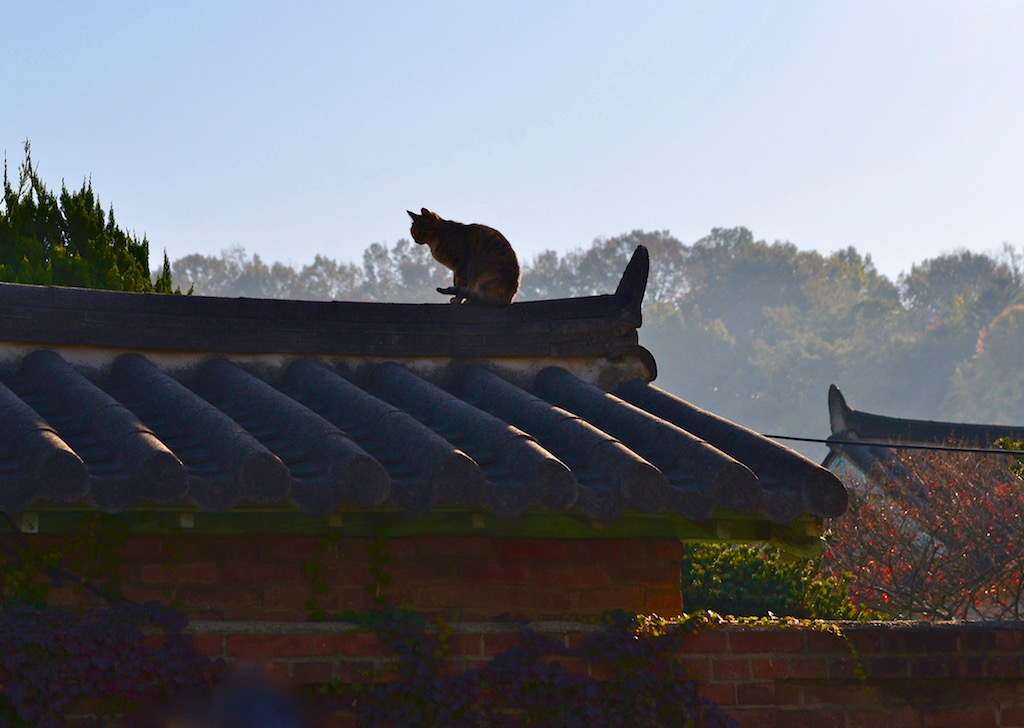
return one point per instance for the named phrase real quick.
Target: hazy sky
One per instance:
(310, 127)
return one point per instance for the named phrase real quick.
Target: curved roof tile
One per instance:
(545, 405)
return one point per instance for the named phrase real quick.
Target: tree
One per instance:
(405, 272)
(755, 331)
(990, 386)
(68, 239)
(948, 284)
(597, 269)
(935, 535)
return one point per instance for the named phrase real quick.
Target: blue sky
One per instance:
(299, 128)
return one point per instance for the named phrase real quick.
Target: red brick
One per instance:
(448, 546)
(1005, 667)
(277, 671)
(576, 640)
(336, 601)
(423, 572)
(351, 644)
(819, 642)
(596, 601)
(313, 672)
(932, 641)
(789, 693)
(470, 645)
(653, 574)
(248, 573)
(1012, 715)
(1009, 641)
(142, 594)
(928, 667)
(356, 671)
(277, 597)
(810, 668)
(697, 668)
(667, 550)
(572, 575)
(833, 693)
(209, 643)
(267, 646)
(497, 572)
(467, 665)
(214, 548)
(496, 644)
(720, 693)
(572, 665)
(891, 718)
(605, 551)
(977, 641)
(143, 548)
(844, 668)
(755, 717)
(770, 668)
(664, 602)
(288, 548)
(755, 693)
(960, 717)
(811, 719)
(604, 670)
(388, 672)
(398, 549)
(191, 573)
(863, 641)
(706, 640)
(885, 667)
(492, 600)
(775, 640)
(730, 668)
(226, 602)
(533, 549)
(65, 596)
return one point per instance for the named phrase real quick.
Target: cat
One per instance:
(485, 266)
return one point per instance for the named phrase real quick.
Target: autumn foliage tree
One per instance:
(935, 534)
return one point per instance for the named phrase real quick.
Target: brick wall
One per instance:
(276, 578)
(895, 675)
(877, 675)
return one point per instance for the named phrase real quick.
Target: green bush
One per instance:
(753, 581)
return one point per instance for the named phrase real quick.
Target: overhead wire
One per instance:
(899, 445)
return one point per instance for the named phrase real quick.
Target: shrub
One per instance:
(753, 581)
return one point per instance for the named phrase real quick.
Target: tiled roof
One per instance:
(849, 424)
(123, 400)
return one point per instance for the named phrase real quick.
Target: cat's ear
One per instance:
(427, 213)
(412, 214)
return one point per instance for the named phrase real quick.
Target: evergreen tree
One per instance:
(68, 240)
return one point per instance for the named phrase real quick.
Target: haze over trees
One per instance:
(754, 331)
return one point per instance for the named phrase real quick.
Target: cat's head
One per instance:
(425, 227)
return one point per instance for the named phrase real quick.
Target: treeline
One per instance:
(751, 330)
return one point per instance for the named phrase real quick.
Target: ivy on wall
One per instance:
(121, 657)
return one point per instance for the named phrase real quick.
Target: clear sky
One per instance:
(296, 128)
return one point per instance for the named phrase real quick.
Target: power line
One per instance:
(900, 445)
